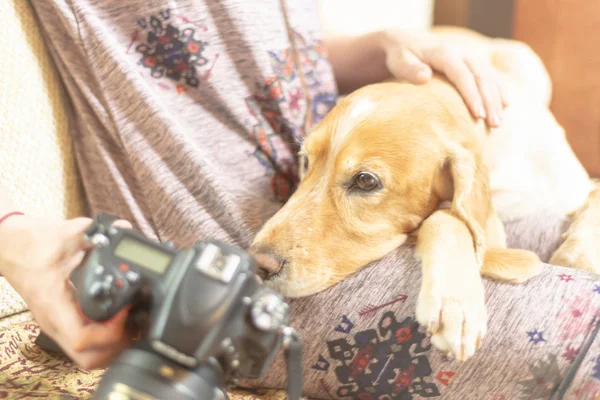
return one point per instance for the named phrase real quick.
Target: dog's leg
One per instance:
(581, 246)
(494, 231)
(451, 303)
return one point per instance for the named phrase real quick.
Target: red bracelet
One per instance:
(10, 214)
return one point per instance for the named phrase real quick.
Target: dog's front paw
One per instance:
(455, 316)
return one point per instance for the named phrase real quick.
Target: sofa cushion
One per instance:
(26, 371)
(38, 167)
(10, 301)
(38, 164)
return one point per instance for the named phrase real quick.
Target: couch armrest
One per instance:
(37, 166)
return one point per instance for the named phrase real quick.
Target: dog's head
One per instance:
(375, 167)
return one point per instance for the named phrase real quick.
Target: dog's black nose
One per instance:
(269, 264)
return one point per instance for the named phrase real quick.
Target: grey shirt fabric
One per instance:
(188, 114)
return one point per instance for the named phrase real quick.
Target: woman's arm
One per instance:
(357, 60)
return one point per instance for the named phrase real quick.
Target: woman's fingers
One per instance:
(411, 68)
(457, 71)
(474, 78)
(489, 90)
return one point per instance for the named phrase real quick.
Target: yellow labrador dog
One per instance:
(395, 161)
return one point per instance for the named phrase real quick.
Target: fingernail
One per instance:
(423, 75)
(506, 99)
(480, 112)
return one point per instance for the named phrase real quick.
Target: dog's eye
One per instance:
(303, 165)
(366, 182)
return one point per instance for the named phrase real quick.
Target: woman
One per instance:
(186, 119)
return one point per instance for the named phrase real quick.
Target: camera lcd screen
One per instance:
(142, 254)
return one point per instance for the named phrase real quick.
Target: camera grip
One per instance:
(102, 292)
(104, 286)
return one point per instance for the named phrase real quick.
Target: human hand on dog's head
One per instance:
(414, 57)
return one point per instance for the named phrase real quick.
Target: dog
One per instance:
(394, 162)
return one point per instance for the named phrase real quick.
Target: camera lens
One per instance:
(144, 375)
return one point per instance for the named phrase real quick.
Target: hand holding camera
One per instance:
(205, 316)
(37, 255)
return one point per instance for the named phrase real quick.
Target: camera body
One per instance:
(205, 317)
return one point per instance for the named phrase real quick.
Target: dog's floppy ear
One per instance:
(465, 182)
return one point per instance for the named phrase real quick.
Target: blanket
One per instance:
(28, 372)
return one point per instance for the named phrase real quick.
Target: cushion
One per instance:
(26, 371)
(38, 168)
(38, 164)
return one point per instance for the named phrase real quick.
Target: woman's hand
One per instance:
(37, 257)
(412, 57)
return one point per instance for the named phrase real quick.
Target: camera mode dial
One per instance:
(269, 312)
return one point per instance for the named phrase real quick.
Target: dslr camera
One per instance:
(204, 316)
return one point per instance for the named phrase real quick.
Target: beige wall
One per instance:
(360, 16)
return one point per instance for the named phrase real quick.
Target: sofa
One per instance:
(38, 169)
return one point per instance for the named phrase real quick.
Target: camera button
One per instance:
(132, 277)
(96, 291)
(99, 270)
(106, 305)
(119, 283)
(124, 267)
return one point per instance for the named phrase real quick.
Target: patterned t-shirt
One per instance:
(188, 114)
